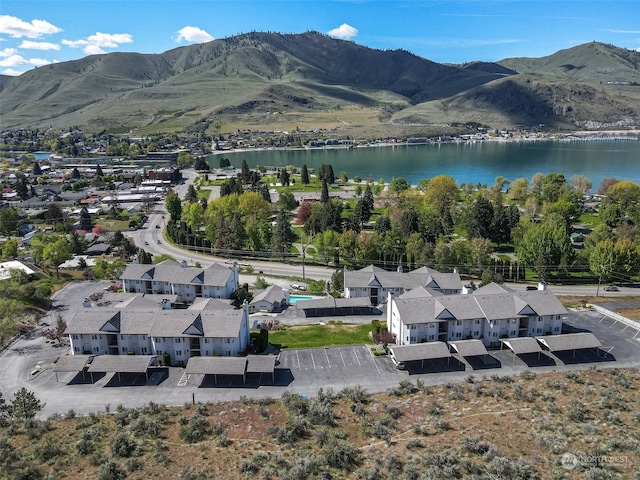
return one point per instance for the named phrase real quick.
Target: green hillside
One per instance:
(283, 81)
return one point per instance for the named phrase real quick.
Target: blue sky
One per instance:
(38, 32)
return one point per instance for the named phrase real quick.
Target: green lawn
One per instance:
(309, 336)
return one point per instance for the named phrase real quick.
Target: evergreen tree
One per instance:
(224, 163)
(75, 174)
(191, 195)
(481, 219)
(237, 234)
(368, 199)
(284, 177)
(99, 171)
(24, 406)
(22, 186)
(282, 237)
(36, 169)
(304, 175)
(86, 223)
(324, 197)
(245, 175)
(325, 173)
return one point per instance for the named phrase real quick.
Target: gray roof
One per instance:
(172, 272)
(211, 324)
(469, 348)
(331, 302)
(200, 303)
(421, 292)
(122, 363)
(157, 323)
(420, 351)
(216, 365)
(72, 363)
(487, 304)
(261, 363)
(569, 341)
(122, 299)
(522, 345)
(424, 276)
(272, 294)
(492, 288)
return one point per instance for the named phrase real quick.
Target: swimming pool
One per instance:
(296, 298)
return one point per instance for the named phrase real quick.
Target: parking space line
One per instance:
(355, 354)
(313, 360)
(343, 362)
(298, 357)
(327, 355)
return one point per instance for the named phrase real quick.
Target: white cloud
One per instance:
(193, 35)
(631, 32)
(13, 61)
(11, 72)
(7, 52)
(18, 28)
(29, 45)
(344, 32)
(38, 62)
(93, 50)
(94, 44)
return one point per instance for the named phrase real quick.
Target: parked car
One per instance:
(611, 288)
(146, 243)
(298, 286)
(531, 287)
(157, 226)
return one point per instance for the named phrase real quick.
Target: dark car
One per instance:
(531, 287)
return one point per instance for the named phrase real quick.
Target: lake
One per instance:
(465, 162)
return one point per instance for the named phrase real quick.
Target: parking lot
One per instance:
(331, 362)
(301, 370)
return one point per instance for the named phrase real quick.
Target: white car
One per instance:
(298, 286)
(611, 288)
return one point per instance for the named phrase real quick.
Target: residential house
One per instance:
(188, 283)
(271, 299)
(488, 314)
(376, 283)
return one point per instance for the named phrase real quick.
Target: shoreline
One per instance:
(580, 135)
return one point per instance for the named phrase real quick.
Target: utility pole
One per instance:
(304, 252)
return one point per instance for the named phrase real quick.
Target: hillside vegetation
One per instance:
(270, 80)
(555, 426)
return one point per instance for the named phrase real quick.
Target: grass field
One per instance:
(310, 336)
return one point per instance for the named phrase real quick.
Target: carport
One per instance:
(218, 366)
(469, 348)
(521, 346)
(262, 364)
(570, 341)
(420, 351)
(122, 364)
(73, 363)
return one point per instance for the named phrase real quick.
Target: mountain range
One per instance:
(265, 81)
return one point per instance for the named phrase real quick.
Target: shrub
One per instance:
(46, 451)
(110, 470)
(85, 446)
(356, 394)
(341, 454)
(196, 429)
(123, 445)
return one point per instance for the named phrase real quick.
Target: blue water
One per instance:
(465, 162)
(295, 298)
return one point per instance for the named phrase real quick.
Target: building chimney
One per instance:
(86, 302)
(400, 268)
(184, 264)
(542, 285)
(467, 289)
(455, 270)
